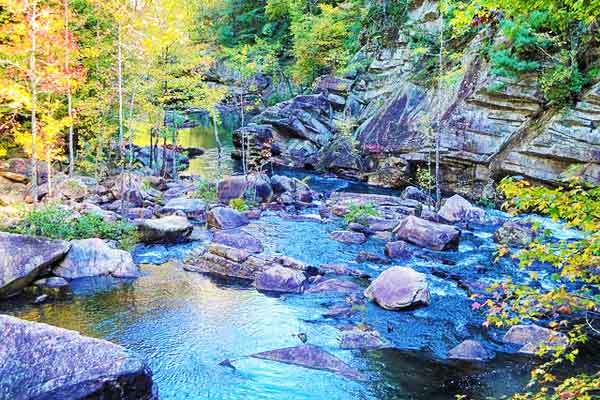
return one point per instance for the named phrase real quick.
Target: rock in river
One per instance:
(194, 209)
(280, 279)
(531, 337)
(310, 356)
(515, 233)
(93, 257)
(24, 258)
(349, 237)
(226, 218)
(334, 286)
(239, 240)
(361, 339)
(398, 288)
(470, 350)
(39, 361)
(172, 229)
(427, 234)
(456, 209)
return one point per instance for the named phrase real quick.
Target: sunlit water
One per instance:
(183, 324)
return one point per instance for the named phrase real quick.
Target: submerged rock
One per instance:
(334, 286)
(280, 279)
(427, 234)
(457, 209)
(313, 357)
(398, 288)
(513, 233)
(226, 218)
(371, 257)
(172, 229)
(93, 257)
(194, 209)
(532, 337)
(24, 258)
(239, 240)
(39, 361)
(361, 339)
(470, 350)
(397, 249)
(348, 237)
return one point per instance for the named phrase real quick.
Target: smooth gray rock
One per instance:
(24, 258)
(427, 234)
(194, 209)
(348, 237)
(398, 288)
(470, 350)
(231, 187)
(43, 362)
(313, 357)
(280, 279)
(239, 240)
(457, 209)
(397, 249)
(171, 229)
(93, 257)
(226, 218)
(334, 286)
(361, 339)
(532, 337)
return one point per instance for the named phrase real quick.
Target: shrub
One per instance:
(356, 212)
(58, 223)
(206, 191)
(238, 204)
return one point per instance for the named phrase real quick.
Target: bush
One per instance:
(54, 222)
(356, 212)
(238, 204)
(206, 191)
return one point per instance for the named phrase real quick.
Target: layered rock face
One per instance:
(491, 126)
(39, 361)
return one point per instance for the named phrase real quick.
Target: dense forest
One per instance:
(376, 90)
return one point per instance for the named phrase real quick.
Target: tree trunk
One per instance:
(175, 153)
(69, 94)
(49, 171)
(33, 82)
(244, 158)
(438, 138)
(121, 138)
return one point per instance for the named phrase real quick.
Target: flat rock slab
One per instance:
(361, 339)
(24, 258)
(226, 218)
(334, 286)
(39, 361)
(313, 357)
(194, 209)
(239, 240)
(470, 350)
(171, 229)
(348, 237)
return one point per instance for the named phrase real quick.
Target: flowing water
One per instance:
(183, 324)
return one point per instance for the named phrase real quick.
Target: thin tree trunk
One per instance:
(33, 82)
(175, 153)
(438, 139)
(69, 94)
(121, 138)
(244, 160)
(49, 171)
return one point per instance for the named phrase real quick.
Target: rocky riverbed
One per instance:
(286, 296)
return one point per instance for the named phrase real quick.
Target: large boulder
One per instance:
(427, 234)
(39, 361)
(172, 229)
(24, 258)
(239, 240)
(348, 237)
(457, 209)
(231, 187)
(73, 189)
(93, 257)
(398, 288)
(310, 356)
(532, 337)
(226, 218)
(414, 193)
(194, 209)
(280, 279)
(470, 350)
(397, 249)
(514, 233)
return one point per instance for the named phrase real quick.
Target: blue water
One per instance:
(183, 324)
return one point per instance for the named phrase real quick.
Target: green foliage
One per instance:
(205, 190)
(357, 212)
(425, 178)
(238, 204)
(573, 267)
(55, 222)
